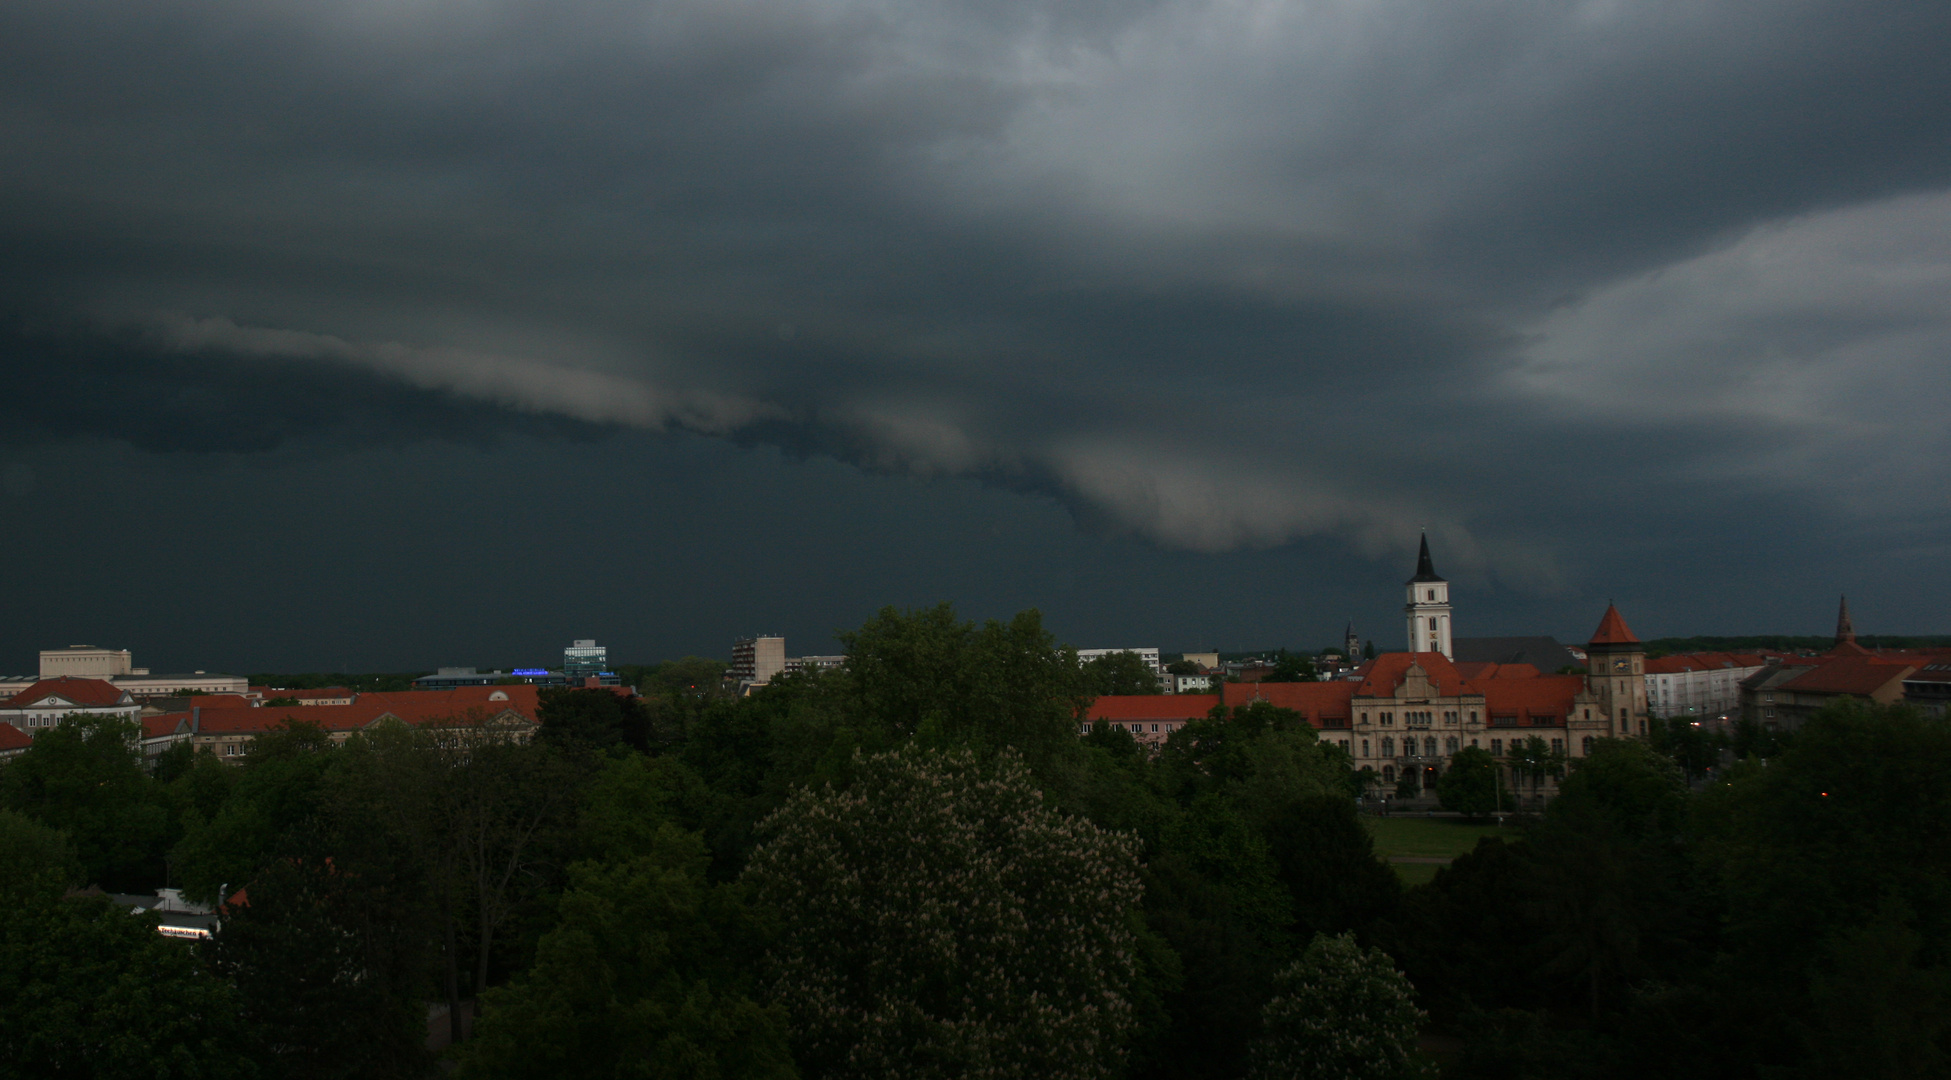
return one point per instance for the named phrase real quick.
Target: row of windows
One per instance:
(1451, 718)
(1450, 746)
(1136, 729)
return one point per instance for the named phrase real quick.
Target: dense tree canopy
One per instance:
(937, 920)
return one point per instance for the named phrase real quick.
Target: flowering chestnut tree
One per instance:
(1339, 1013)
(936, 919)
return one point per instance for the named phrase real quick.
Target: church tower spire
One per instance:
(1845, 633)
(1428, 609)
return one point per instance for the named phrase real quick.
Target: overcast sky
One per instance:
(398, 333)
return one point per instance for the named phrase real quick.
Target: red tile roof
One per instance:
(1680, 663)
(155, 727)
(12, 739)
(1318, 701)
(1612, 630)
(413, 707)
(80, 691)
(1538, 699)
(1382, 675)
(1176, 707)
(523, 698)
(1851, 674)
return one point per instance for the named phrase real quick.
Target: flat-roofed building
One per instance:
(85, 662)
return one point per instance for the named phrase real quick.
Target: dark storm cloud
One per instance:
(1226, 274)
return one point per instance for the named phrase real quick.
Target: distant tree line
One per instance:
(1790, 643)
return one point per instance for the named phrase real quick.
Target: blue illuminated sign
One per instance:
(531, 671)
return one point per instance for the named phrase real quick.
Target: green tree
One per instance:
(1835, 879)
(927, 674)
(327, 945)
(1339, 1012)
(85, 778)
(280, 785)
(1536, 760)
(1609, 885)
(1326, 860)
(482, 814)
(593, 720)
(643, 975)
(1470, 785)
(1119, 673)
(93, 991)
(1291, 667)
(936, 920)
(33, 857)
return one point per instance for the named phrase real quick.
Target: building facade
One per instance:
(50, 701)
(755, 660)
(1694, 685)
(1148, 655)
(585, 659)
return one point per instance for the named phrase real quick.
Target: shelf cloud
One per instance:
(1221, 274)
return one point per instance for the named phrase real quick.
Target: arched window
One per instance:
(1388, 748)
(1429, 746)
(1586, 747)
(1449, 745)
(1389, 773)
(1364, 747)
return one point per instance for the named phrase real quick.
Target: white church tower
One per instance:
(1428, 609)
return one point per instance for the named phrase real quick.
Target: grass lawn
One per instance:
(1414, 874)
(1427, 838)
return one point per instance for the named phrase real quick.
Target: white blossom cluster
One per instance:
(1339, 1013)
(937, 920)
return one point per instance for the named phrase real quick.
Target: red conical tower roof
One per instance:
(1612, 630)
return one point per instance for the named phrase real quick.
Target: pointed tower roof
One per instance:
(1845, 633)
(1612, 630)
(1425, 570)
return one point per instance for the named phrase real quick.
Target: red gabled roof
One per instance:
(1612, 630)
(1539, 698)
(155, 727)
(1176, 707)
(81, 691)
(1850, 674)
(249, 720)
(412, 707)
(1315, 700)
(524, 698)
(12, 738)
(1681, 663)
(1382, 675)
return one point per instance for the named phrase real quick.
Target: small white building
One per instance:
(1698, 684)
(1149, 656)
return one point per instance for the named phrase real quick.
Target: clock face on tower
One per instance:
(1621, 665)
